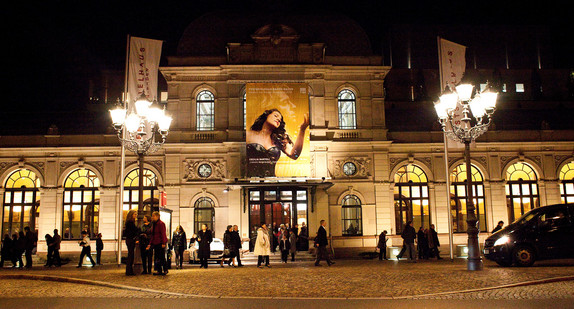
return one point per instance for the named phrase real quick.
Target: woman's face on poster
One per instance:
(274, 119)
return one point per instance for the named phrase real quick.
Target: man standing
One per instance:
(158, 242)
(382, 245)
(498, 227)
(236, 239)
(434, 243)
(321, 243)
(56, 240)
(409, 234)
(30, 244)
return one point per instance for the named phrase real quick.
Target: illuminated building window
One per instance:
(347, 110)
(411, 195)
(205, 111)
(458, 198)
(519, 87)
(81, 204)
(21, 202)
(131, 192)
(351, 215)
(204, 213)
(567, 183)
(245, 111)
(521, 190)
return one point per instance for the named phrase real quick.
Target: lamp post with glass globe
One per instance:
(143, 130)
(466, 129)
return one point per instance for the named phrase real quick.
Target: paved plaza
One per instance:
(347, 279)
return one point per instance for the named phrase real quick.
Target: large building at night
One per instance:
(376, 149)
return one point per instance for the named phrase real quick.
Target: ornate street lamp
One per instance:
(146, 128)
(454, 110)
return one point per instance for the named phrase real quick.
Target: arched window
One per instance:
(205, 111)
(204, 213)
(131, 192)
(411, 195)
(521, 190)
(347, 110)
(458, 198)
(21, 202)
(567, 182)
(81, 204)
(352, 216)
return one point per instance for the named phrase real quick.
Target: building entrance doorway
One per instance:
(277, 205)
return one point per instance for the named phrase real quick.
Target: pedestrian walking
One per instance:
(382, 245)
(422, 243)
(145, 251)
(293, 244)
(433, 243)
(204, 237)
(30, 244)
(228, 247)
(262, 246)
(498, 227)
(158, 242)
(321, 243)
(86, 249)
(50, 254)
(20, 241)
(303, 240)
(131, 233)
(99, 248)
(409, 234)
(7, 248)
(56, 240)
(179, 242)
(237, 244)
(284, 247)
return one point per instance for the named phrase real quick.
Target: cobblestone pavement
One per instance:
(346, 279)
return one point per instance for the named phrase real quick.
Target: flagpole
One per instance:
(119, 214)
(447, 174)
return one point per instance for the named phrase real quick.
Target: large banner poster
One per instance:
(277, 138)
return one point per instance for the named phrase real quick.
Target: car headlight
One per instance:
(501, 241)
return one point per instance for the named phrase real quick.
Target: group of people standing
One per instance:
(427, 242)
(289, 240)
(20, 243)
(152, 240)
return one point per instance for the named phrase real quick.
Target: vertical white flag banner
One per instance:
(144, 56)
(452, 63)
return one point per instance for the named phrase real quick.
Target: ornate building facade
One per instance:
(367, 173)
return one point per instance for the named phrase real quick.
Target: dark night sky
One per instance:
(55, 46)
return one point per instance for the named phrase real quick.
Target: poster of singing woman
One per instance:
(277, 137)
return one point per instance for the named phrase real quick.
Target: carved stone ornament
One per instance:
(192, 173)
(363, 168)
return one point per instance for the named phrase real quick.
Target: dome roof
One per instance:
(209, 34)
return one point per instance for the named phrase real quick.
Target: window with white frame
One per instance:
(205, 111)
(347, 102)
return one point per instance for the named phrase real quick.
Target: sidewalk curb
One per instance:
(133, 288)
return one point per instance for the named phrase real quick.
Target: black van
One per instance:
(541, 234)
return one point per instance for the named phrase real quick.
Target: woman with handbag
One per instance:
(262, 246)
(131, 233)
(228, 247)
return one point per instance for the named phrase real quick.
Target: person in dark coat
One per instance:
(144, 238)
(321, 243)
(159, 243)
(131, 233)
(179, 242)
(50, 255)
(56, 240)
(272, 236)
(30, 243)
(422, 242)
(433, 243)
(86, 249)
(303, 239)
(409, 234)
(229, 249)
(498, 227)
(284, 247)
(20, 246)
(6, 250)
(204, 238)
(237, 243)
(382, 245)
(99, 248)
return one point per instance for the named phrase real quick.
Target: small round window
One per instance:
(349, 169)
(204, 170)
